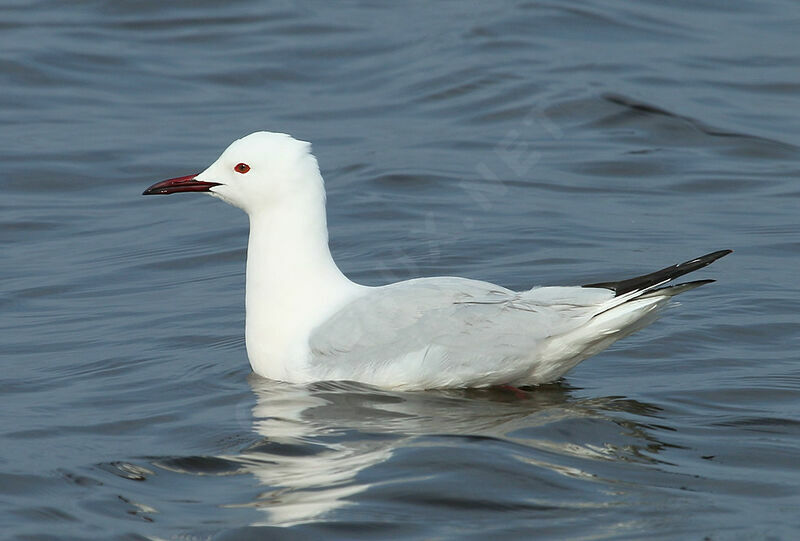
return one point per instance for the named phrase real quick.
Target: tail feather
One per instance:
(636, 304)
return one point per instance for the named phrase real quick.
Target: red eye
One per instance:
(241, 168)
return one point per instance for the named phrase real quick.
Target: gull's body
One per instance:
(306, 321)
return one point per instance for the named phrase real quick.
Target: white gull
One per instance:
(306, 321)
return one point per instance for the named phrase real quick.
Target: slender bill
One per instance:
(179, 184)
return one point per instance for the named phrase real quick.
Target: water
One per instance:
(519, 142)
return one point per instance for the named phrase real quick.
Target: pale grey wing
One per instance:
(444, 328)
(408, 313)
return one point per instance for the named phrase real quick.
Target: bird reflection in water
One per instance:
(323, 444)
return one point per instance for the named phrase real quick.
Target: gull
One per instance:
(306, 321)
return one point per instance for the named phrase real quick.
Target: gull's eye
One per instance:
(241, 168)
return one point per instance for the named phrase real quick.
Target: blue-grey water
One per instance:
(526, 143)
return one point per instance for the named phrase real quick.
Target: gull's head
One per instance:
(255, 172)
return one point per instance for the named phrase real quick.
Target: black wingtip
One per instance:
(677, 288)
(668, 273)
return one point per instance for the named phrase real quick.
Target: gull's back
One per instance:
(443, 332)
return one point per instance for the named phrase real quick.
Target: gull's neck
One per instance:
(293, 284)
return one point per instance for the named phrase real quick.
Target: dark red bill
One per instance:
(180, 184)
